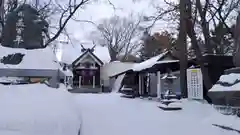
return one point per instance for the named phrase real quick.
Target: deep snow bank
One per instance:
(36, 109)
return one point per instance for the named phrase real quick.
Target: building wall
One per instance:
(53, 75)
(153, 85)
(28, 72)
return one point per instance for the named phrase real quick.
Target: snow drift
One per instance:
(109, 114)
(36, 109)
(32, 59)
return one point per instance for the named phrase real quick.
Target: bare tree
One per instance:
(201, 17)
(11, 5)
(119, 34)
(57, 13)
(221, 15)
(182, 43)
(66, 12)
(207, 16)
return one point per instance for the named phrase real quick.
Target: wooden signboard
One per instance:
(195, 83)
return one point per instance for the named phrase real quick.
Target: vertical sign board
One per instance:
(195, 83)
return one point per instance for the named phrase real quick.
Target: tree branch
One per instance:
(63, 23)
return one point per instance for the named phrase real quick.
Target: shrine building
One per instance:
(86, 64)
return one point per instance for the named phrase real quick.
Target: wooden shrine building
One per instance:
(86, 70)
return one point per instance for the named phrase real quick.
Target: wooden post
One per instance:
(80, 80)
(139, 84)
(65, 80)
(70, 81)
(159, 85)
(148, 84)
(94, 81)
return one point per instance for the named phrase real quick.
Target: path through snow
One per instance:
(109, 114)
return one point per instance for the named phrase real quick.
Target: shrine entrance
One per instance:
(87, 81)
(86, 78)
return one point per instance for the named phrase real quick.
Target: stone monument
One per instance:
(24, 28)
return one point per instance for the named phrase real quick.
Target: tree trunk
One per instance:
(113, 54)
(183, 49)
(206, 79)
(191, 33)
(205, 27)
(113, 59)
(236, 55)
(2, 10)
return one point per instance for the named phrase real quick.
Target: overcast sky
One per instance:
(79, 32)
(102, 9)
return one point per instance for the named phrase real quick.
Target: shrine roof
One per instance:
(149, 63)
(70, 53)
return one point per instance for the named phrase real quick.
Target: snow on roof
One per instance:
(32, 59)
(115, 68)
(230, 78)
(36, 109)
(148, 63)
(70, 53)
(118, 83)
(166, 61)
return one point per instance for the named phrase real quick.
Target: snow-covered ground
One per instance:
(109, 114)
(39, 110)
(36, 109)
